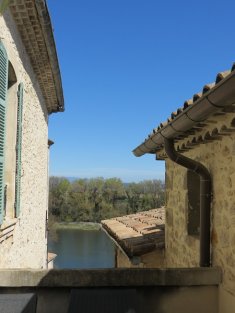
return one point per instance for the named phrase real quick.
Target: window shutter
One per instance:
(18, 148)
(3, 98)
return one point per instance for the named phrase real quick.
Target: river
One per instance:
(77, 248)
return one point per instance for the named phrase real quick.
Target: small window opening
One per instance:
(12, 79)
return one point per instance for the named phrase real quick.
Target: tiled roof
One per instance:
(138, 233)
(51, 256)
(34, 25)
(219, 77)
(217, 97)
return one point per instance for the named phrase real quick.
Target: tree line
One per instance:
(91, 200)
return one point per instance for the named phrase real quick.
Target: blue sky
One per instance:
(126, 65)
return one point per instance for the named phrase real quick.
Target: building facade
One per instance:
(198, 144)
(30, 89)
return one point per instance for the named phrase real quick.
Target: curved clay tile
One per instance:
(207, 87)
(225, 130)
(197, 96)
(194, 140)
(189, 143)
(208, 137)
(187, 103)
(184, 147)
(220, 76)
(179, 110)
(233, 122)
(215, 133)
(199, 139)
(163, 124)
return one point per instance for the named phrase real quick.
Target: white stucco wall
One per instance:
(27, 247)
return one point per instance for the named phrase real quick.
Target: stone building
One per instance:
(197, 143)
(30, 90)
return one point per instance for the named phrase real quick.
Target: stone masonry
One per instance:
(218, 156)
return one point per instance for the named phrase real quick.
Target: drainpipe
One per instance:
(205, 197)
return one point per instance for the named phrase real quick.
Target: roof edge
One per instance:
(45, 21)
(219, 96)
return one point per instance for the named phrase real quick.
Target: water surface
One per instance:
(77, 248)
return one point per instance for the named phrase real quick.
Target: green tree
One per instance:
(91, 200)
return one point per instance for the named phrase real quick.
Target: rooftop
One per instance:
(139, 233)
(215, 99)
(34, 24)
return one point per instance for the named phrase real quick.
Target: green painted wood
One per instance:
(3, 105)
(18, 148)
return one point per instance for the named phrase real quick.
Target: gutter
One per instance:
(45, 21)
(205, 197)
(222, 94)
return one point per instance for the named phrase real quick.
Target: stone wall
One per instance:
(25, 246)
(218, 156)
(154, 259)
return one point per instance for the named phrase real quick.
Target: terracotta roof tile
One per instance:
(138, 233)
(194, 101)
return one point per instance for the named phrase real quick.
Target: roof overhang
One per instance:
(213, 98)
(34, 24)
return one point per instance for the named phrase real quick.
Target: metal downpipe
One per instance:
(205, 197)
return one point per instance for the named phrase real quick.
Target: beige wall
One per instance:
(26, 245)
(183, 250)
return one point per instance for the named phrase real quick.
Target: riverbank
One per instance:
(79, 226)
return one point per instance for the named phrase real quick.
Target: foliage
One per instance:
(3, 5)
(77, 226)
(91, 200)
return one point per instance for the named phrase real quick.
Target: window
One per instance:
(193, 186)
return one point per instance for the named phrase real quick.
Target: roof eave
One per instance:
(211, 101)
(46, 25)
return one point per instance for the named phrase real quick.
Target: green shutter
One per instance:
(3, 98)
(18, 148)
